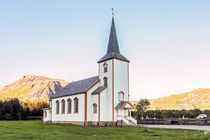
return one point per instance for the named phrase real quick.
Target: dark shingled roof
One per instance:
(76, 87)
(113, 50)
(121, 104)
(98, 90)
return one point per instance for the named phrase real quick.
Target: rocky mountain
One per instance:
(199, 98)
(32, 88)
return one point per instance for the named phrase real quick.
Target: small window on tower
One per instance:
(105, 81)
(105, 67)
(120, 96)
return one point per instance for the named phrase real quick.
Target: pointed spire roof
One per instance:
(113, 50)
(113, 43)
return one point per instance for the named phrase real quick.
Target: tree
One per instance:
(141, 107)
(11, 109)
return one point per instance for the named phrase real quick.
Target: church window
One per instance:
(45, 114)
(63, 106)
(76, 105)
(69, 105)
(105, 81)
(57, 107)
(120, 96)
(105, 67)
(94, 108)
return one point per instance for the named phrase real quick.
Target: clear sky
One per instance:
(167, 42)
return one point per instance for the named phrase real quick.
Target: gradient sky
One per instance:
(167, 42)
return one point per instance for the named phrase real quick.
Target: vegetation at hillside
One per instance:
(37, 130)
(35, 108)
(141, 112)
(13, 109)
(197, 99)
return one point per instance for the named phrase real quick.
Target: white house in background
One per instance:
(100, 100)
(202, 116)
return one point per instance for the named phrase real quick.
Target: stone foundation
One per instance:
(91, 123)
(71, 122)
(121, 123)
(101, 123)
(46, 122)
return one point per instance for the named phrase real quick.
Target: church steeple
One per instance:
(113, 50)
(113, 43)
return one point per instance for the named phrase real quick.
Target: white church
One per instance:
(101, 100)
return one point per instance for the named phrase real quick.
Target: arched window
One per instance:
(120, 96)
(45, 114)
(57, 107)
(105, 81)
(69, 105)
(63, 106)
(94, 108)
(76, 105)
(105, 67)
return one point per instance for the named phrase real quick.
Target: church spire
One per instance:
(113, 50)
(113, 43)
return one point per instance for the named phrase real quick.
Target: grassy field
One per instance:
(37, 130)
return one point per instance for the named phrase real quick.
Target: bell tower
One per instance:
(114, 75)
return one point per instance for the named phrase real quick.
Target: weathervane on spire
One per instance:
(112, 12)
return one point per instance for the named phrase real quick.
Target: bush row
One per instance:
(165, 114)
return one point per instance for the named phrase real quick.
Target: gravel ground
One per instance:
(192, 127)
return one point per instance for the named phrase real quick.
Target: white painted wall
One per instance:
(106, 95)
(69, 117)
(120, 112)
(48, 118)
(105, 106)
(91, 99)
(121, 80)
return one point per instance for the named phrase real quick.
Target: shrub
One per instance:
(8, 116)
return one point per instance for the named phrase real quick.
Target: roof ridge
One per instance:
(84, 79)
(77, 87)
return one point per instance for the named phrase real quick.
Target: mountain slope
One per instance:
(32, 88)
(38, 88)
(199, 98)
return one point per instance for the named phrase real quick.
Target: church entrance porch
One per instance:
(124, 109)
(46, 115)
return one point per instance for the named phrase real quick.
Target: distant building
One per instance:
(202, 116)
(99, 100)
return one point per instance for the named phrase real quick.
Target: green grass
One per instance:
(37, 130)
